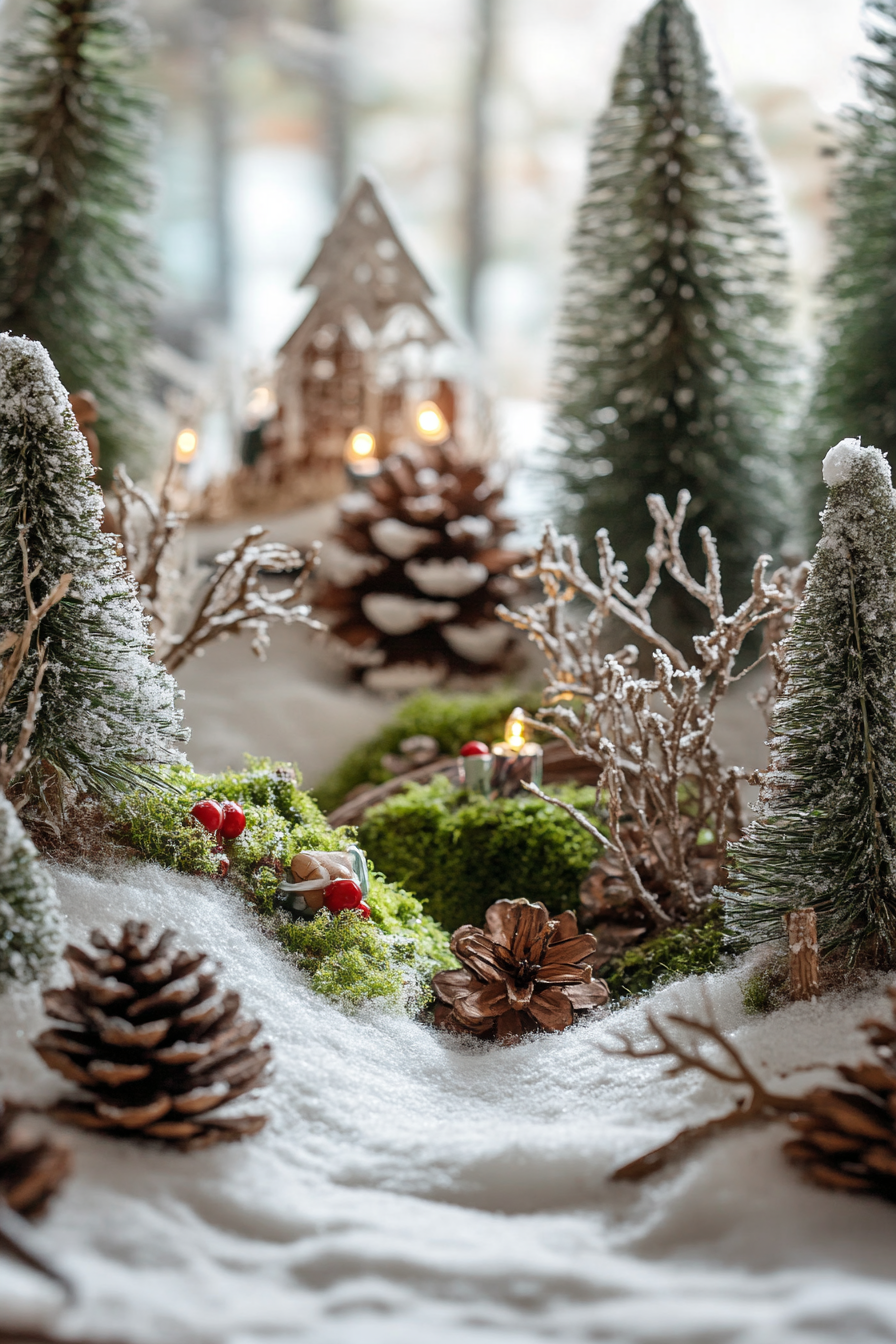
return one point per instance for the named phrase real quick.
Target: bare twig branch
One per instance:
(757, 1103)
(231, 599)
(651, 739)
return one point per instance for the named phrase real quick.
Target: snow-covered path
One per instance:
(412, 1189)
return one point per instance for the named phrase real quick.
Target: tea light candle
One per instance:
(516, 760)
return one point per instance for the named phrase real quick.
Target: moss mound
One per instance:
(451, 719)
(460, 852)
(392, 956)
(671, 955)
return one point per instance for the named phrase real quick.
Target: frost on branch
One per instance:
(671, 803)
(233, 598)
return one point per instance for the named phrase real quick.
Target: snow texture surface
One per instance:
(411, 1188)
(840, 460)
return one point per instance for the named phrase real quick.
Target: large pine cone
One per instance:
(523, 972)
(154, 1041)
(31, 1168)
(431, 570)
(848, 1139)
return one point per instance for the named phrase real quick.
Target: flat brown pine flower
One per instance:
(523, 972)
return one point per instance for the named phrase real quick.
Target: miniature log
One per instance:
(802, 948)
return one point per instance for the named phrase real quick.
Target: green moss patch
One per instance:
(460, 852)
(672, 955)
(451, 719)
(390, 956)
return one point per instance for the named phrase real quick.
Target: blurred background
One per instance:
(476, 117)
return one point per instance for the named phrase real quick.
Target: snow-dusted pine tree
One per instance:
(826, 833)
(107, 711)
(856, 389)
(75, 264)
(30, 919)
(671, 368)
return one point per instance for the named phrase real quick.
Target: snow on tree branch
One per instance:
(233, 598)
(662, 778)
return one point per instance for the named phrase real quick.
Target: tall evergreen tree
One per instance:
(30, 917)
(671, 368)
(826, 834)
(856, 389)
(107, 711)
(75, 265)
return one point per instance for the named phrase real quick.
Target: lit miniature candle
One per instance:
(474, 764)
(516, 760)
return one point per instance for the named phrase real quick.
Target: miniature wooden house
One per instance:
(355, 359)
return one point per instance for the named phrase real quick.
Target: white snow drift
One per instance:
(412, 1187)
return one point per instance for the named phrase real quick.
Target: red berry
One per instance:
(364, 910)
(343, 894)
(475, 749)
(223, 862)
(208, 813)
(234, 822)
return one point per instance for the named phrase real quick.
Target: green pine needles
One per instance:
(30, 918)
(826, 834)
(75, 265)
(107, 711)
(857, 374)
(671, 368)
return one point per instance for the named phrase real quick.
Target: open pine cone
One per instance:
(31, 1168)
(523, 972)
(848, 1139)
(153, 1040)
(428, 572)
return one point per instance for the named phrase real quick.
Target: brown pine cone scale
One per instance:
(153, 1040)
(31, 1167)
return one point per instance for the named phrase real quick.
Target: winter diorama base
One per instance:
(411, 1186)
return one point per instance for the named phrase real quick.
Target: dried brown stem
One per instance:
(758, 1103)
(233, 598)
(650, 739)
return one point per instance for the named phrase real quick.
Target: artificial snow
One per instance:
(840, 461)
(412, 1187)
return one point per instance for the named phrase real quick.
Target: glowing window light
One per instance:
(185, 445)
(260, 403)
(360, 451)
(431, 424)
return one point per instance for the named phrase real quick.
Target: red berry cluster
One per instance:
(224, 820)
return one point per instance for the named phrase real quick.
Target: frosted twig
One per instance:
(230, 600)
(651, 739)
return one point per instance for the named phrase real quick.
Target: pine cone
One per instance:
(153, 1040)
(848, 1139)
(31, 1168)
(523, 972)
(430, 570)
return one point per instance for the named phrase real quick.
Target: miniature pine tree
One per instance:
(826, 833)
(107, 711)
(75, 264)
(671, 369)
(856, 388)
(30, 920)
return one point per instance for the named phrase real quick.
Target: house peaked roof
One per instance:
(363, 265)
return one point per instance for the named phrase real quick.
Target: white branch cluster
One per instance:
(229, 600)
(662, 778)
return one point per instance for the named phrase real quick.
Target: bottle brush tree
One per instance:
(826, 832)
(30, 919)
(671, 368)
(107, 712)
(75, 264)
(856, 388)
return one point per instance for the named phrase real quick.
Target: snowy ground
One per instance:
(410, 1188)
